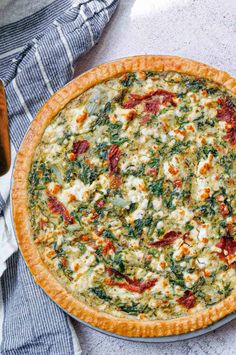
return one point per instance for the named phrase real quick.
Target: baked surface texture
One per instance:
(123, 196)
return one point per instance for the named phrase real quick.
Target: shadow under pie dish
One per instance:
(123, 196)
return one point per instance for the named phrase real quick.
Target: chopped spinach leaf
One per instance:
(130, 79)
(118, 262)
(156, 187)
(100, 293)
(194, 85)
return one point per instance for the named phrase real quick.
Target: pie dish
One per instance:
(123, 196)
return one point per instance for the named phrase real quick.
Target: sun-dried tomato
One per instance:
(57, 207)
(168, 239)
(135, 99)
(109, 246)
(188, 299)
(113, 158)
(153, 106)
(144, 119)
(100, 203)
(80, 147)
(228, 247)
(227, 113)
(132, 285)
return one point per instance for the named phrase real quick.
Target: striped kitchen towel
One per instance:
(37, 57)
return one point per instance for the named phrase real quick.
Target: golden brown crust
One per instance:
(122, 326)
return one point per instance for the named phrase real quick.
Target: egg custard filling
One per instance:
(132, 196)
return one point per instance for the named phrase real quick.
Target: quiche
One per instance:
(124, 196)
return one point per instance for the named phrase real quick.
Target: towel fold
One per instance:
(37, 57)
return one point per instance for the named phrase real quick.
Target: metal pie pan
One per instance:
(164, 339)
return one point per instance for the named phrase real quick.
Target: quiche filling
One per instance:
(132, 196)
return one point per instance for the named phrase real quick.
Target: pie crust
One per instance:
(42, 276)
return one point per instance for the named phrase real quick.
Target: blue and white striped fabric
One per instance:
(37, 57)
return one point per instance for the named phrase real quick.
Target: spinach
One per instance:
(223, 224)
(154, 163)
(213, 205)
(148, 221)
(82, 247)
(201, 122)
(67, 272)
(197, 286)
(68, 175)
(179, 147)
(180, 95)
(156, 187)
(227, 162)
(224, 267)
(138, 226)
(33, 176)
(204, 151)
(100, 293)
(149, 73)
(177, 281)
(169, 201)
(115, 139)
(210, 122)
(203, 209)
(160, 232)
(87, 174)
(101, 120)
(130, 230)
(40, 187)
(118, 262)
(189, 227)
(133, 206)
(161, 112)
(99, 255)
(227, 203)
(207, 210)
(134, 308)
(184, 109)
(98, 210)
(59, 252)
(130, 79)
(211, 91)
(194, 85)
(71, 171)
(66, 135)
(38, 176)
(222, 191)
(108, 234)
(201, 117)
(102, 117)
(102, 149)
(185, 194)
(115, 132)
(46, 172)
(107, 108)
(136, 231)
(139, 172)
(131, 309)
(227, 289)
(120, 97)
(176, 277)
(213, 276)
